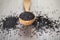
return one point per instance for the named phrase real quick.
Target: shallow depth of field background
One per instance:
(15, 7)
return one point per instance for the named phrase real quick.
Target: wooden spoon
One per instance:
(27, 17)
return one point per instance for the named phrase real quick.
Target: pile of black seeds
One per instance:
(9, 22)
(41, 22)
(27, 16)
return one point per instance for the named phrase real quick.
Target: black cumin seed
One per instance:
(27, 16)
(10, 22)
(41, 22)
(58, 32)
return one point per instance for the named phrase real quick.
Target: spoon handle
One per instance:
(27, 5)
